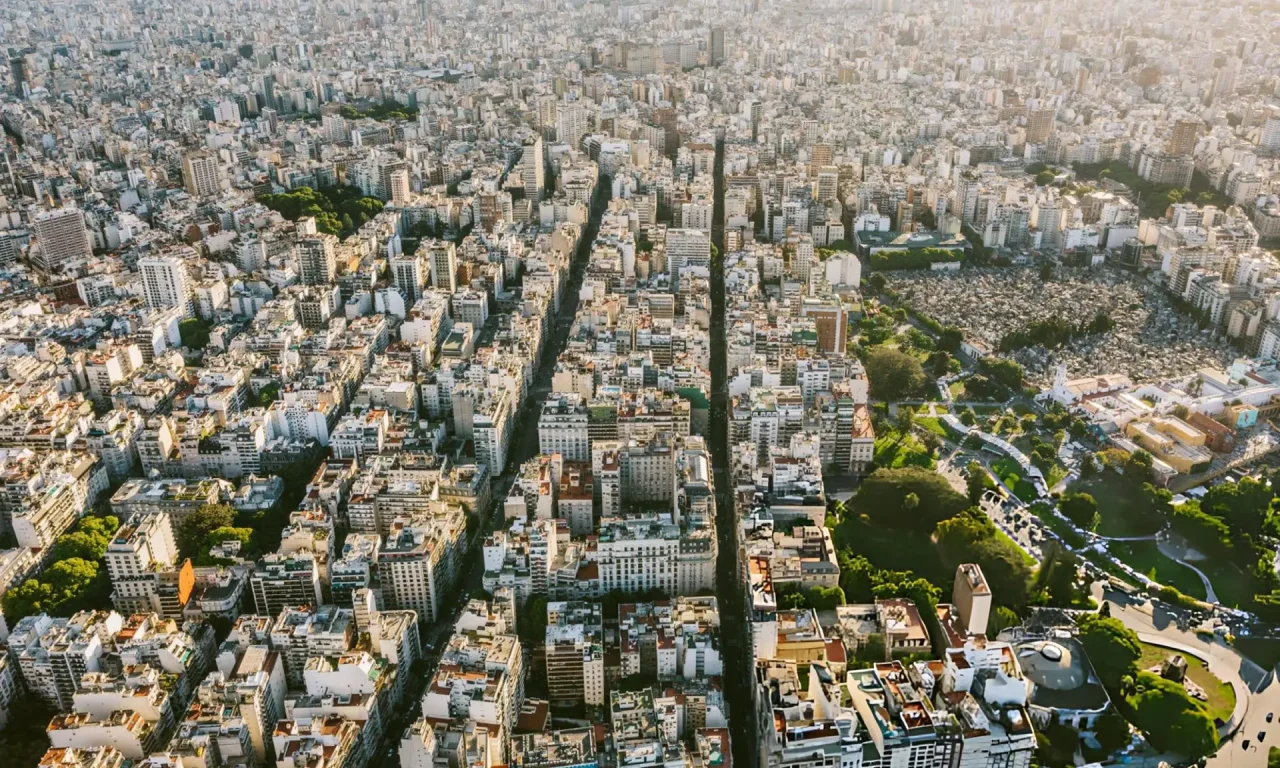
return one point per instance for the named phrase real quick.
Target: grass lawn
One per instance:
(933, 424)
(892, 450)
(957, 389)
(1011, 473)
(1145, 557)
(1220, 696)
(1265, 653)
(1121, 504)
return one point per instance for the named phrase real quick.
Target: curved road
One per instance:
(1261, 693)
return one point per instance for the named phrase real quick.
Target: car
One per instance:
(1270, 715)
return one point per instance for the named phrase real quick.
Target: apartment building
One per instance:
(574, 653)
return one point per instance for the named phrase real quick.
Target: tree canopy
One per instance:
(1174, 721)
(971, 537)
(1081, 509)
(883, 498)
(894, 375)
(977, 481)
(66, 587)
(337, 210)
(194, 333)
(1112, 647)
(193, 532)
(224, 534)
(76, 579)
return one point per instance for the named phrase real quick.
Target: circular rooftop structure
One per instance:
(1052, 665)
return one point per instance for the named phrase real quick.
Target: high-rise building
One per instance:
(418, 565)
(1183, 141)
(165, 283)
(1164, 168)
(200, 173)
(62, 237)
(972, 598)
(548, 115)
(443, 257)
(1049, 222)
(532, 172)
(398, 189)
(562, 428)
(572, 124)
(409, 276)
(318, 259)
(1040, 125)
(1270, 136)
(687, 248)
(1224, 81)
(142, 548)
(283, 581)
(716, 48)
(574, 653)
(830, 321)
(21, 76)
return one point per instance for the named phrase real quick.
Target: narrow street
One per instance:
(735, 631)
(524, 446)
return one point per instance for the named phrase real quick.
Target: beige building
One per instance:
(1171, 440)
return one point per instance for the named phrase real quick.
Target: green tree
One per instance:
(939, 363)
(977, 481)
(1056, 745)
(1081, 509)
(1112, 647)
(1007, 372)
(793, 601)
(971, 537)
(80, 544)
(194, 333)
(1138, 468)
(1175, 722)
(1057, 575)
(224, 534)
(268, 395)
(877, 283)
(894, 375)
(1245, 505)
(906, 420)
(195, 528)
(532, 624)
(1001, 619)
(27, 599)
(69, 577)
(1112, 732)
(882, 497)
(950, 338)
